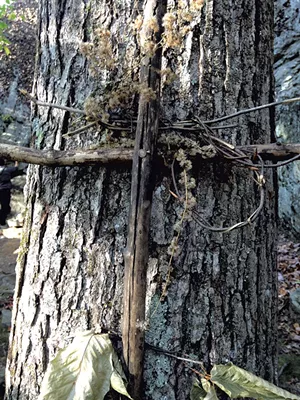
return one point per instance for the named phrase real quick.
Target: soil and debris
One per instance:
(289, 314)
(9, 244)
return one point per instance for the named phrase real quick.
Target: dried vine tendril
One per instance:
(196, 216)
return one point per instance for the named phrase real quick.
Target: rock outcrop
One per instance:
(287, 67)
(16, 71)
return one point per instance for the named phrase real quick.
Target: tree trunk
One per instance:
(220, 304)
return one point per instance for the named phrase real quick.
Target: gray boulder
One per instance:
(287, 77)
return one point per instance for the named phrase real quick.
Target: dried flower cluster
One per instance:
(99, 53)
(177, 23)
(94, 109)
(196, 5)
(173, 247)
(172, 36)
(186, 181)
(145, 34)
(124, 85)
(100, 107)
(167, 75)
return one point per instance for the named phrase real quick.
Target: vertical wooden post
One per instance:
(136, 254)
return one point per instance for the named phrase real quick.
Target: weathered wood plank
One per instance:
(57, 158)
(136, 255)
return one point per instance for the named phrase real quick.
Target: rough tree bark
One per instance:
(221, 301)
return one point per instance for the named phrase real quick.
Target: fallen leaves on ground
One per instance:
(288, 260)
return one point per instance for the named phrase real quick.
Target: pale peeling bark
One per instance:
(221, 303)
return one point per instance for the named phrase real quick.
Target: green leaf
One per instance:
(206, 392)
(7, 51)
(118, 377)
(205, 384)
(81, 371)
(5, 40)
(12, 16)
(211, 394)
(3, 26)
(237, 382)
(118, 385)
(197, 392)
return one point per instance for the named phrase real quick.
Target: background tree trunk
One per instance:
(221, 302)
(286, 49)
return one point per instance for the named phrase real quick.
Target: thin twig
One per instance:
(176, 239)
(43, 104)
(164, 291)
(79, 130)
(100, 122)
(224, 126)
(174, 180)
(197, 372)
(248, 110)
(227, 150)
(283, 163)
(174, 355)
(204, 224)
(260, 182)
(280, 372)
(231, 153)
(181, 127)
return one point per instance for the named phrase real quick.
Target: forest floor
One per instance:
(9, 244)
(288, 319)
(288, 262)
